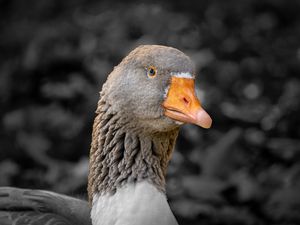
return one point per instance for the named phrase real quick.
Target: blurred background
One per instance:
(55, 56)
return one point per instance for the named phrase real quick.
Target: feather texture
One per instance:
(30, 207)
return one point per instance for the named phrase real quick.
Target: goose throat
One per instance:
(122, 152)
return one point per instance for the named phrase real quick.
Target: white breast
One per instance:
(133, 204)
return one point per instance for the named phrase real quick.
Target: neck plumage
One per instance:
(124, 153)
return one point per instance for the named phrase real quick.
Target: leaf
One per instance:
(284, 205)
(206, 189)
(188, 208)
(220, 153)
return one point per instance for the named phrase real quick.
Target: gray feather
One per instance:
(29, 207)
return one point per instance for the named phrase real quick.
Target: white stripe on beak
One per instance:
(183, 75)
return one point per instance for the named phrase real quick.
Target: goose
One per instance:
(142, 105)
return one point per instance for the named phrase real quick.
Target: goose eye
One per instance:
(151, 71)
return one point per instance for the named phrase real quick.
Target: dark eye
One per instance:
(151, 71)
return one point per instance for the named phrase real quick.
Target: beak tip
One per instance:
(203, 119)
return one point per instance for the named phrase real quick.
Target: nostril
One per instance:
(185, 100)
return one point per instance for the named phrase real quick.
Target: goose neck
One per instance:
(123, 154)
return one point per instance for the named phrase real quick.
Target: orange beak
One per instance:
(182, 104)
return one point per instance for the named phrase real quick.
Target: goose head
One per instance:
(155, 87)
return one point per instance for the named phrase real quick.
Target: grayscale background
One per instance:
(55, 56)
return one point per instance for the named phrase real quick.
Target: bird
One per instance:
(145, 100)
